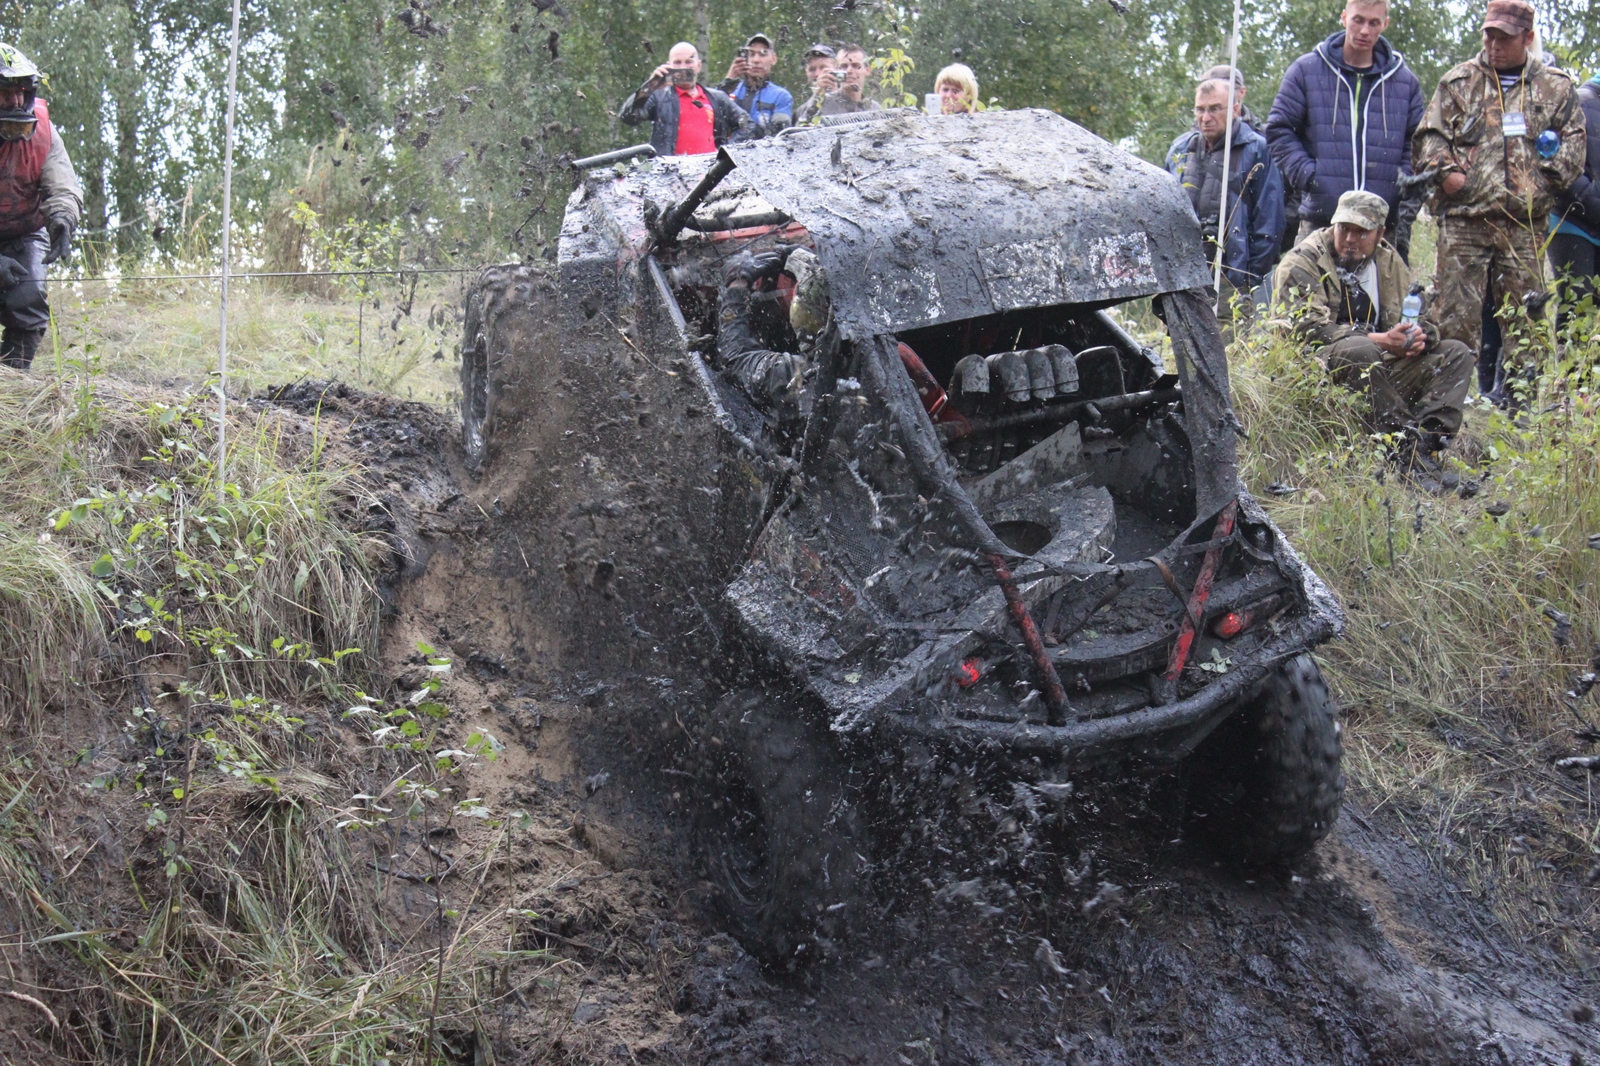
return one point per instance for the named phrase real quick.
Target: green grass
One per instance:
(1450, 670)
(166, 333)
(176, 654)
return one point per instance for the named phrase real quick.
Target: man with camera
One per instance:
(685, 118)
(1342, 288)
(769, 107)
(840, 89)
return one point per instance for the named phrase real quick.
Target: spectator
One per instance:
(685, 117)
(1255, 194)
(846, 99)
(1343, 289)
(1575, 226)
(957, 87)
(1291, 197)
(770, 107)
(819, 58)
(1486, 134)
(40, 204)
(1344, 118)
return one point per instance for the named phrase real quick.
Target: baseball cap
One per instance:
(763, 38)
(1223, 73)
(1359, 208)
(823, 50)
(1511, 16)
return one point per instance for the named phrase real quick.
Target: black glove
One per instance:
(12, 273)
(747, 267)
(60, 230)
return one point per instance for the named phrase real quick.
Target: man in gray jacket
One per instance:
(40, 204)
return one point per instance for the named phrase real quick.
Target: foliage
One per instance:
(224, 619)
(1460, 682)
(254, 588)
(450, 122)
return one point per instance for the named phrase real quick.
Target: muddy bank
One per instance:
(1115, 941)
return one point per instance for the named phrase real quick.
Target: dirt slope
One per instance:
(1104, 941)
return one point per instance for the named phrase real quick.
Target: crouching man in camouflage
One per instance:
(1343, 289)
(1505, 135)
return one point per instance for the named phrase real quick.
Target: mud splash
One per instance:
(1113, 942)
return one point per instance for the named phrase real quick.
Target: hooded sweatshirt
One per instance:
(1334, 128)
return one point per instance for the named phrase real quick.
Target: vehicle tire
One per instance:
(508, 338)
(1266, 786)
(781, 839)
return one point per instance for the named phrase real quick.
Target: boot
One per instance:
(1414, 460)
(18, 347)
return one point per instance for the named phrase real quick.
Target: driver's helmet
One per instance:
(17, 71)
(810, 308)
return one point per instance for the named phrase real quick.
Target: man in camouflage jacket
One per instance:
(1343, 289)
(1498, 176)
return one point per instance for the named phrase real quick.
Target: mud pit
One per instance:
(1156, 953)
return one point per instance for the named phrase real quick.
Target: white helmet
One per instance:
(18, 71)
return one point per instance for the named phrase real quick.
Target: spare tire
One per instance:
(1267, 785)
(508, 347)
(780, 836)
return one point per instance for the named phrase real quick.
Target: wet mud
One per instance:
(1081, 930)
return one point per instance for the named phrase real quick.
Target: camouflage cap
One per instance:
(1510, 16)
(1359, 208)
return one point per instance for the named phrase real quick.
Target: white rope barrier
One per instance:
(1227, 153)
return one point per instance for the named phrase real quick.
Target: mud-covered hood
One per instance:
(925, 219)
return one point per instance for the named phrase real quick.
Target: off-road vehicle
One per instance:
(1001, 525)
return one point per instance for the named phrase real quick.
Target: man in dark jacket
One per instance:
(685, 118)
(1344, 117)
(1254, 208)
(1575, 223)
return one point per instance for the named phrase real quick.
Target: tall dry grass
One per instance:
(206, 631)
(1455, 671)
(124, 564)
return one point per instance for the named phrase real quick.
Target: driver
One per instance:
(772, 310)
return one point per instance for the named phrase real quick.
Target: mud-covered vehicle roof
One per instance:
(998, 521)
(923, 220)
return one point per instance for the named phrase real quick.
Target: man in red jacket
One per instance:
(40, 203)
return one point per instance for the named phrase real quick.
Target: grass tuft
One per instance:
(1453, 670)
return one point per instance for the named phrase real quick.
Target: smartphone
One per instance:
(682, 75)
(744, 53)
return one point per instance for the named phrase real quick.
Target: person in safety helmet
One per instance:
(771, 314)
(40, 203)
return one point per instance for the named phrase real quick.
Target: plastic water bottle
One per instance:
(1548, 144)
(1411, 307)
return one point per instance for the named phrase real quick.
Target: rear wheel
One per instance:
(507, 340)
(1267, 785)
(780, 836)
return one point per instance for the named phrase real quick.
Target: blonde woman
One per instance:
(957, 87)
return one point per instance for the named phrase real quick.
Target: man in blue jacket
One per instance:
(1254, 220)
(770, 107)
(1344, 117)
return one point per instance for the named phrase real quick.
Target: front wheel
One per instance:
(780, 835)
(1267, 784)
(508, 350)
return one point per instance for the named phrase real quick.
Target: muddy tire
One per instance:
(1267, 785)
(508, 341)
(780, 838)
